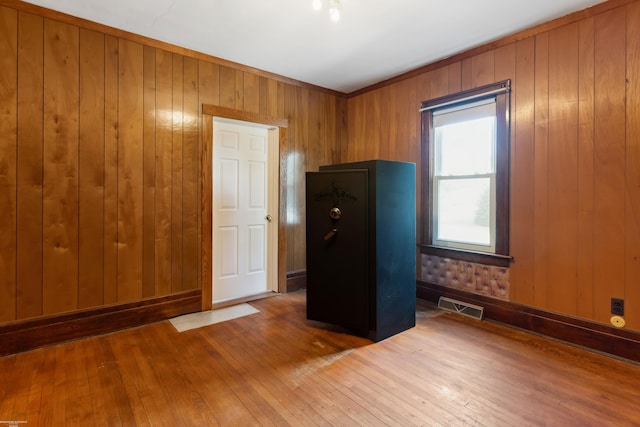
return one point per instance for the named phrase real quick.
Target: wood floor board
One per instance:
(275, 368)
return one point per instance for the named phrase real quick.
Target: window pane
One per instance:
(464, 210)
(465, 148)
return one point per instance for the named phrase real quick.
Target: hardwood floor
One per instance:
(276, 368)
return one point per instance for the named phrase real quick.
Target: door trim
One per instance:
(206, 189)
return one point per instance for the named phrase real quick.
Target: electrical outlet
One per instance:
(617, 306)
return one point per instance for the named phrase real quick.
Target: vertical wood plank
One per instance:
(341, 130)
(586, 77)
(176, 173)
(164, 122)
(332, 142)
(423, 93)
(60, 205)
(239, 90)
(355, 117)
(522, 175)
(130, 152)
(314, 141)
(423, 87)
(540, 212)
(251, 93)
(301, 147)
(91, 170)
(371, 142)
(111, 135)
(387, 123)
(206, 196)
(483, 69)
(263, 95)
(609, 158)
(8, 182)
(563, 169)
(209, 83)
(407, 113)
(466, 74)
(149, 174)
(30, 134)
(632, 200)
(440, 82)
(293, 217)
(227, 89)
(455, 77)
(282, 220)
(208, 93)
(191, 174)
(271, 98)
(505, 64)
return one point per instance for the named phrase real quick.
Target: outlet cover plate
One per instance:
(617, 306)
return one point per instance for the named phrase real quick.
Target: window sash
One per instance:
(461, 243)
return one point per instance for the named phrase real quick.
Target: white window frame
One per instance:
(457, 113)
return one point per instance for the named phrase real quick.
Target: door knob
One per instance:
(269, 218)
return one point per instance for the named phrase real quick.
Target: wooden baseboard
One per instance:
(595, 336)
(26, 335)
(296, 280)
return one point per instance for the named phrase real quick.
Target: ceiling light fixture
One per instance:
(334, 8)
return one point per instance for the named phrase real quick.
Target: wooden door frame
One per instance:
(206, 191)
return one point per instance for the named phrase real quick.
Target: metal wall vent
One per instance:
(461, 307)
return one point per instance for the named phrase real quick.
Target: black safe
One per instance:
(361, 246)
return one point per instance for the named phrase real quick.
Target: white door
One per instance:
(244, 228)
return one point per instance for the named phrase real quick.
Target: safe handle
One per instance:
(330, 234)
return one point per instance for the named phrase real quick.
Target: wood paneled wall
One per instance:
(99, 159)
(575, 152)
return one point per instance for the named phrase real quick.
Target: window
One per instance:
(466, 174)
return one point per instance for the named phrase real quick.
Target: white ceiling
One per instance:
(374, 40)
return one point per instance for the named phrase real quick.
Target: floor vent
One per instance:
(460, 307)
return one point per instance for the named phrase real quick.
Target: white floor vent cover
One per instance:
(460, 307)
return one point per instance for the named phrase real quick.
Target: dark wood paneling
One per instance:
(30, 152)
(609, 161)
(8, 136)
(91, 170)
(101, 158)
(227, 87)
(149, 174)
(190, 177)
(164, 123)
(586, 201)
(111, 134)
(574, 166)
(60, 205)
(562, 170)
(540, 180)
(632, 168)
(251, 93)
(177, 148)
(522, 174)
(130, 155)
(206, 209)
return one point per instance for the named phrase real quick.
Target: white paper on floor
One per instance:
(204, 318)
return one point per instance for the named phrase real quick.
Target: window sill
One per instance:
(471, 256)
